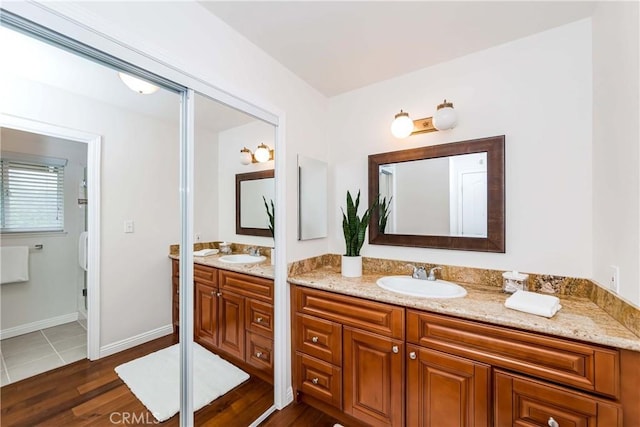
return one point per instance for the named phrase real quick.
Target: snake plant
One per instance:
(384, 208)
(271, 211)
(354, 227)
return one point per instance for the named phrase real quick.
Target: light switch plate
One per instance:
(128, 226)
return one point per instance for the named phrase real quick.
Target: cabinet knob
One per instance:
(395, 349)
(314, 339)
(315, 380)
(259, 320)
(219, 294)
(259, 354)
(552, 422)
(412, 355)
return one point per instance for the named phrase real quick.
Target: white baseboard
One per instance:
(118, 346)
(36, 326)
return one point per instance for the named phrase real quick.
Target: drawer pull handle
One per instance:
(314, 339)
(395, 349)
(552, 422)
(412, 355)
(259, 320)
(315, 380)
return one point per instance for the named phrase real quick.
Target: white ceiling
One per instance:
(30, 59)
(340, 46)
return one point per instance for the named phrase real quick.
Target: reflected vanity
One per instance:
(448, 196)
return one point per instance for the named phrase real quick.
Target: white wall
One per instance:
(616, 150)
(54, 274)
(230, 142)
(537, 92)
(206, 47)
(139, 173)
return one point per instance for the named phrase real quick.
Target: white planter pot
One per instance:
(351, 266)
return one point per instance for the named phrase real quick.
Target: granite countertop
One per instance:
(261, 269)
(579, 318)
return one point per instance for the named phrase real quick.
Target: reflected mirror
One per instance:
(252, 190)
(312, 198)
(448, 196)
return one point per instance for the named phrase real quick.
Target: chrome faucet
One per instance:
(432, 273)
(253, 251)
(418, 272)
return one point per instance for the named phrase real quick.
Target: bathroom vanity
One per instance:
(233, 315)
(366, 355)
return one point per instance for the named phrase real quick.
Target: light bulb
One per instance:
(262, 153)
(445, 117)
(245, 156)
(138, 85)
(402, 125)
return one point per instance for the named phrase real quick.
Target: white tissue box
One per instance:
(531, 302)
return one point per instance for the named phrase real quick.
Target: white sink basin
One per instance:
(407, 285)
(242, 259)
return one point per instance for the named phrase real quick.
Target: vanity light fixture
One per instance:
(138, 85)
(263, 154)
(445, 118)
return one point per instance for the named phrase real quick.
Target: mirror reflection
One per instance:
(451, 200)
(253, 190)
(448, 196)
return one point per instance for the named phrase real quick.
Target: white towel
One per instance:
(205, 252)
(531, 302)
(14, 261)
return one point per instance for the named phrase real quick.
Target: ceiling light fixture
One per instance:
(138, 85)
(263, 154)
(445, 118)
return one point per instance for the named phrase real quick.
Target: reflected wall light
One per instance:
(263, 154)
(445, 118)
(138, 85)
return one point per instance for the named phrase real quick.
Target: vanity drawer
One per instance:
(585, 366)
(319, 338)
(205, 274)
(383, 319)
(319, 379)
(248, 286)
(259, 317)
(260, 353)
(523, 401)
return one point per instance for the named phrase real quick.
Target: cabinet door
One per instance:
(231, 324)
(445, 390)
(521, 401)
(206, 315)
(373, 381)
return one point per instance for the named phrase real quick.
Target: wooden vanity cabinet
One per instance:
(349, 356)
(446, 391)
(233, 316)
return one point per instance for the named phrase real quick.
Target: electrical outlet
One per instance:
(128, 226)
(197, 237)
(614, 278)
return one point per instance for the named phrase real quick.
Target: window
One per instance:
(32, 197)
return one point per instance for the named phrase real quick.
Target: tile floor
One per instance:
(36, 352)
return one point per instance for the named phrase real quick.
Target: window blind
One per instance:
(32, 197)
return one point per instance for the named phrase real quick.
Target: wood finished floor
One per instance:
(88, 393)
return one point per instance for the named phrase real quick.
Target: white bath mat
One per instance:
(155, 379)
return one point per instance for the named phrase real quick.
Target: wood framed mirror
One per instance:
(449, 196)
(251, 216)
